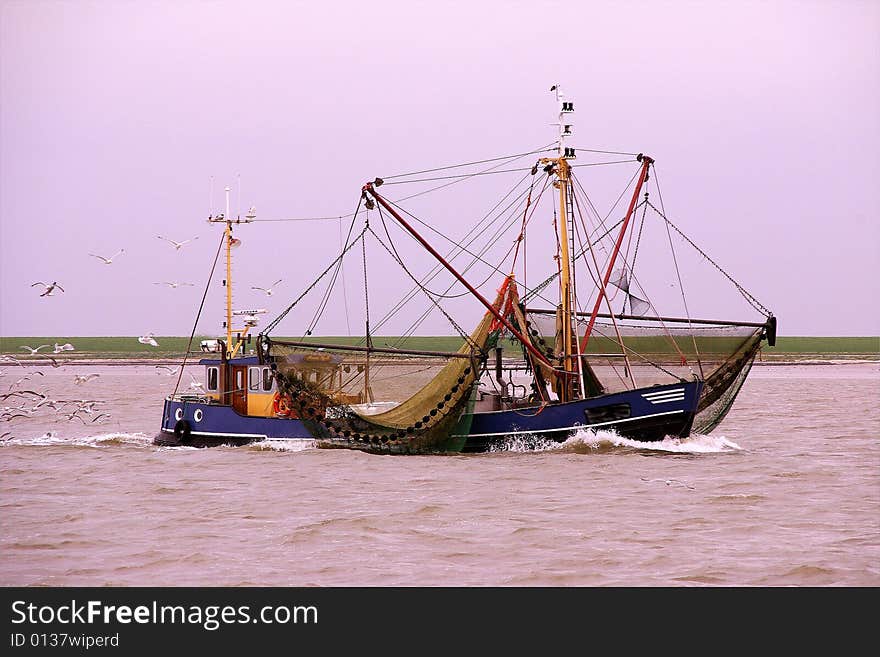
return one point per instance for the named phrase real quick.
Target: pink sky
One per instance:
(764, 119)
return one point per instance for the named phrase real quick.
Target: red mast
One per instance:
(643, 176)
(519, 336)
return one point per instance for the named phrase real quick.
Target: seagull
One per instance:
(63, 347)
(98, 417)
(50, 287)
(171, 371)
(12, 416)
(148, 339)
(10, 359)
(79, 379)
(176, 245)
(70, 416)
(670, 482)
(19, 393)
(4, 435)
(268, 290)
(108, 261)
(173, 284)
(196, 385)
(55, 363)
(25, 378)
(34, 350)
(51, 403)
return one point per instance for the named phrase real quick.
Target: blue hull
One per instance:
(202, 425)
(647, 414)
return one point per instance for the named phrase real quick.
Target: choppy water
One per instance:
(786, 492)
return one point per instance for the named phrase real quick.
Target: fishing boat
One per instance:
(597, 354)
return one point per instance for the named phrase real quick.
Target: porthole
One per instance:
(178, 414)
(197, 416)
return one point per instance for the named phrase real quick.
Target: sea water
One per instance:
(785, 492)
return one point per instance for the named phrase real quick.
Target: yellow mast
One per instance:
(230, 241)
(562, 171)
(563, 177)
(228, 282)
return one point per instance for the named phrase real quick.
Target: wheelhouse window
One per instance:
(254, 376)
(268, 380)
(213, 379)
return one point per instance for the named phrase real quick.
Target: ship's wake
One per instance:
(58, 438)
(585, 441)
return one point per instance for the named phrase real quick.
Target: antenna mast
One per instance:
(230, 242)
(563, 171)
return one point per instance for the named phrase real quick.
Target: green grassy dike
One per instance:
(175, 346)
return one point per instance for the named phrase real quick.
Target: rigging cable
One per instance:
(595, 241)
(757, 305)
(602, 291)
(393, 253)
(478, 258)
(199, 313)
(338, 258)
(634, 279)
(458, 248)
(687, 312)
(544, 149)
(319, 311)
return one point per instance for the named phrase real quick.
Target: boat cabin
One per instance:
(251, 389)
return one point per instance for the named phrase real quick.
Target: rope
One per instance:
(284, 313)
(393, 253)
(366, 287)
(199, 313)
(588, 150)
(757, 305)
(543, 149)
(461, 248)
(599, 164)
(319, 311)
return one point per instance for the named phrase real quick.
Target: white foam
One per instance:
(526, 443)
(694, 444)
(53, 438)
(277, 445)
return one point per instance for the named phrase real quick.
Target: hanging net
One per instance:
(657, 353)
(377, 400)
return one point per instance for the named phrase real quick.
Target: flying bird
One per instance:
(196, 384)
(173, 284)
(62, 347)
(175, 244)
(148, 339)
(25, 378)
(74, 414)
(50, 287)
(84, 378)
(171, 371)
(108, 261)
(267, 290)
(670, 482)
(34, 350)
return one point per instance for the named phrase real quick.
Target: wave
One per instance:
(586, 440)
(693, 444)
(275, 445)
(54, 439)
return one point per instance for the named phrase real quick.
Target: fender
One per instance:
(182, 431)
